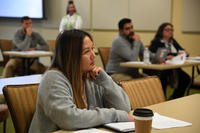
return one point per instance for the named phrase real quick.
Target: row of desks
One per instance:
(185, 108)
(188, 63)
(36, 78)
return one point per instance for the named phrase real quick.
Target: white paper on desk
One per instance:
(122, 126)
(179, 59)
(135, 62)
(36, 52)
(194, 59)
(159, 122)
(91, 130)
(162, 122)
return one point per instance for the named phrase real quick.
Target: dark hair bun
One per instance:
(71, 2)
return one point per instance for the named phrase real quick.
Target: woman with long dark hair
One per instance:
(75, 93)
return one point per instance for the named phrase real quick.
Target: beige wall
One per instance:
(190, 41)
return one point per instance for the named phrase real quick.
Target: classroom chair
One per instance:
(52, 44)
(21, 101)
(4, 115)
(143, 91)
(104, 53)
(5, 45)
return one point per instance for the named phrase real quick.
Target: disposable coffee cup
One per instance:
(143, 120)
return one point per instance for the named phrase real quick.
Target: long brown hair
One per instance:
(67, 59)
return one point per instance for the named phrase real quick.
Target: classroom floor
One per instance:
(10, 127)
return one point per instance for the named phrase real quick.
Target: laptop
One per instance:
(160, 56)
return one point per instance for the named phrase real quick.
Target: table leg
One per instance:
(27, 62)
(192, 80)
(25, 65)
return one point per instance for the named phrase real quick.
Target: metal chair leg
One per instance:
(4, 126)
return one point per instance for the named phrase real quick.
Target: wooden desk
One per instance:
(142, 65)
(31, 79)
(188, 63)
(27, 56)
(185, 108)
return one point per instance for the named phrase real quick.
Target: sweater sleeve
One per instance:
(154, 46)
(42, 44)
(177, 45)
(123, 49)
(114, 96)
(56, 99)
(21, 43)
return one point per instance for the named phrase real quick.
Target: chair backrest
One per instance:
(3, 112)
(104, 53)
(5, 45)
(52, 44)
(198, 70)
(4, 115)
(144, 91)
(21, 101)
(196, 82)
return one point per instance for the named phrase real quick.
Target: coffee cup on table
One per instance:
(143, 120)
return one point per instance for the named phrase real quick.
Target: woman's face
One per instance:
(71, 9)
(168, 32)
(88, 55)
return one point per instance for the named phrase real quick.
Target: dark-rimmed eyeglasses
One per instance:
(169, 29)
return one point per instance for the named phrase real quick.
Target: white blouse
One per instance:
(70, 22)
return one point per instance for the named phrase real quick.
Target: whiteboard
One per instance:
(191, 16)
(149, 14)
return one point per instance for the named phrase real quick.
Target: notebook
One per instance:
(121, 126)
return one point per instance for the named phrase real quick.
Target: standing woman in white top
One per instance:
(72, 20)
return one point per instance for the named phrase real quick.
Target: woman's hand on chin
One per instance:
(92, 74)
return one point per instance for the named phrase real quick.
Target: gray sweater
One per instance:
(55, 109)
(122, 51)
(23, 42)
